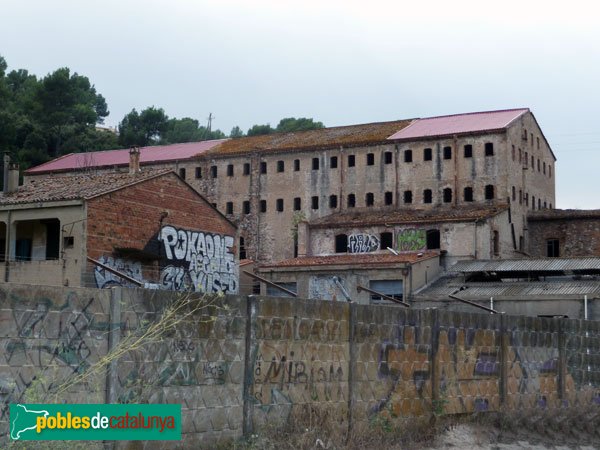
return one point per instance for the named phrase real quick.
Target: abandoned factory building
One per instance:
(138, 228)
(461, 185)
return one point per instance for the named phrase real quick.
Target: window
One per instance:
(538, 143)
(386, 240)
(407, 196)
(263, 167)
(526, 158)
(369, 199)
(246, 207)
(489, 149)
(468, 151)
(447, 152)
(520, 156)
(539, 166)
(298, 204)
(242, 248)
(351, 160)
(289, 285)
(427, 154)
(539, 203)
(370, 159)
(388, 157)
(549, 171)
(230, 170)
(388, 198)
(532, 163)
(513, 153)
(351, 200)
(427, 196)
(213, 171)
(333, 201)
(531, 135)
(544, 168)
(552, 248)
(341, 243)
(315, 164)
(496, 242)
(468, 194)
(447, 195)
(263, 206)
(526, 198)
(520, 196)
(407, 156)
(314, 202)
(489, 192)
(229, 208)
(390, 288)
(533, 202)
(545, 205)
(198, 172)
(280, 166)
(524, 136)
(279, 205)
(333, 162)
(246, 168)
(296, 165)
(433, 239)
(514, 193)
(182, 173)
(521, 243)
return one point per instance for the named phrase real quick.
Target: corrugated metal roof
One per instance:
(354, 258)
(109, 158)
(528, 265)
(459, 123)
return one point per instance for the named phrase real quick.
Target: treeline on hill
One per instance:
(42, 118)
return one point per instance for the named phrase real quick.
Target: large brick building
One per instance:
(267, 185)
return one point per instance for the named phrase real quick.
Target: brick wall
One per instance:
(578, 236)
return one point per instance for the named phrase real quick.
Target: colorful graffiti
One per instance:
(411, 240)
(198, 261)
(362, 243)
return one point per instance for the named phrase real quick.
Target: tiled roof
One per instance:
(76, 187)
(333, 137)
(354, 258)
(459, 124)
(561, 214)
(388, 216)
(110, 158)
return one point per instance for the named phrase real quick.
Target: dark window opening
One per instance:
(229, 208)
(333, 162)
(52, 238)
(489, 149)
(315, 164)
(532, 163)
(513, 153)
(242, 248)
(388, 198)
(263, 167)
(468, 194)
(526, 199)
(341, 243)
(23, 249)
(351, 160)
(545, 205)
(230, 170)
(333, 201)
(370, 159)
(279, 205)
(539, 203)
(389, 288)
(447, 195)
(68, 241)
(539, 166)
(280, 166)
(198, 172)
(388, 157)
(213, 171)
(544, 168)
(468, 151)
(369, 199)
(246, 207)
(533, 202)
(520, 196)
(521, 243)
(296, 165)
(351, 200)
(496, 243)
(514, 193)
(314, 202)
(433, 239)
(407, 156)
(263, 206)
(427, 196)
(386, 240)
(407, 196)
(526, 159)
(447, 152)
(182, 173)
(297, 203)
(489, 192)
(246, 168)
(427, 154)
(520, 156)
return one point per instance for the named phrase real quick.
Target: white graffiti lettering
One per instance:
(362, 243)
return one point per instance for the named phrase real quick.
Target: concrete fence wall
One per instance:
(239, 365)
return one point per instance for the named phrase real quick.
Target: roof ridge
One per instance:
(475, 112)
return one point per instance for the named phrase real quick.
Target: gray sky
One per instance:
(339, 61)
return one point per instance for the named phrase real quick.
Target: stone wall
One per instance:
(241, 365)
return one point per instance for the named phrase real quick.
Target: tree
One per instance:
(258, 130)
(142, 129)
(236, 132)
(301, 124)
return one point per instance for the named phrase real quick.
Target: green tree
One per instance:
(143, 129)
(301, 124)
(258, 130)
(236, 132)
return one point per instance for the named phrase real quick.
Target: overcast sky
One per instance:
(340, 62)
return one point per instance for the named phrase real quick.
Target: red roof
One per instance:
(459, 123)
(355, 258)
(111, 158)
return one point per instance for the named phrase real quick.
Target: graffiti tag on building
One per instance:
(327, 287)
(411, 240)
(198, 261)
(362, 243)
(104, 278)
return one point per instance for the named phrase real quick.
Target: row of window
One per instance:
(523, 158)
(524, 198)
(388, 199)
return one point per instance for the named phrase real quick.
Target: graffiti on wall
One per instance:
(198, 261)
(411, 240)
(327, 287)
(362, 243)
(105, 279)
